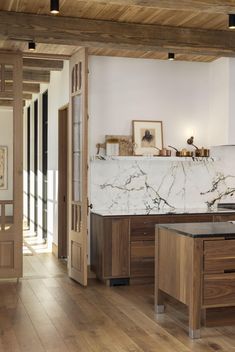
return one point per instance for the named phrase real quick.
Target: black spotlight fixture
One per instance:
(55, 7)
(31, 45)
(171, 56)
(231, 21)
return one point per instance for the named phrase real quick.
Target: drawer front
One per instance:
(219, 290)
(142, 259)
(143, 228)
(142, 267)
(142, 249)
(219, 255)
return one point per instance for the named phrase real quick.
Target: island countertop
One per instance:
(200, 230)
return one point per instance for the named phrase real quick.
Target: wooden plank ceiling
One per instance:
(194, 14)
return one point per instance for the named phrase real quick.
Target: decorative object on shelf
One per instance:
(125, 144)
(202, 152)
(112, 147)
(164, 152)
(182, 153)
(147, 137)
(3, 167)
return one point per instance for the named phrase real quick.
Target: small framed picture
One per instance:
(147, 137)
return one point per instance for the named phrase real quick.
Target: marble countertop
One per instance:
(168, 211)
(200, 230)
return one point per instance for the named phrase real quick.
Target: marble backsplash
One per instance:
(162, 183)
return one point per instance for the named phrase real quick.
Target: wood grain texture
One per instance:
(219, 290)
(111, 34)
(219, 256)
(47, 311)
(208, 6)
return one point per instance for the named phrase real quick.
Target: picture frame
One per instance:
(3, 167)
(147, 137)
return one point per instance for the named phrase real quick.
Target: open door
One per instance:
(78, 165)
(11, 166)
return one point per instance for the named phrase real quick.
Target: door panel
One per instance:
(78, 162)
(11, 168)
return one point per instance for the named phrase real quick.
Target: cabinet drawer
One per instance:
(142, 249)
(219, 290)
(142, 228)
(142, 267)
(219, 255)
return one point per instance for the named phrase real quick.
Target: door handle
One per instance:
(90, 206)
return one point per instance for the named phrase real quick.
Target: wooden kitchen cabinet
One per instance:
(123, 246)
(110, 247)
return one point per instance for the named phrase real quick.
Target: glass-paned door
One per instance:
(78, 161)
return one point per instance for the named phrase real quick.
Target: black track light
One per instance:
(231, 21)
(31, 45)
(55, 7)
(171, 56)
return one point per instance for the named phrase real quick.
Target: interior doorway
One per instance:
(62, 181)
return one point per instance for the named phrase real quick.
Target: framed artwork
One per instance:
(147, 137)
(3, 167)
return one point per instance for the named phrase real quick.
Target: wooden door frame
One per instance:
(63, 237)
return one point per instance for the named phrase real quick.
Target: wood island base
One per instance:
(195, 264)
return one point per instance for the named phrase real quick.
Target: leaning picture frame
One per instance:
(3, 167)
(147, 137)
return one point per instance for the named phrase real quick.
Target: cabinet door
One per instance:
(116, 242)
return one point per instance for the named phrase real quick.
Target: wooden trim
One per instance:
(109, 34)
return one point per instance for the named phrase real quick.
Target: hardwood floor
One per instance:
(47, 311)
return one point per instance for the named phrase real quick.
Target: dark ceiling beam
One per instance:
(207, 6)
(108, 34)
(39, 64)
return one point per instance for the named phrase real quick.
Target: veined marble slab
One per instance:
(136, 184)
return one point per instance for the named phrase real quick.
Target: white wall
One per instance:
(219, 102)
(58, 96)
(122, 90)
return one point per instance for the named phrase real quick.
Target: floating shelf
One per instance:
(151, 158)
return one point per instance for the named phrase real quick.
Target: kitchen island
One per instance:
(195, 264)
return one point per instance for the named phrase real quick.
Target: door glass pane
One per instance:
(76, 148)
(6, 165)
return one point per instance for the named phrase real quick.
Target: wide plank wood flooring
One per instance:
(47, 311)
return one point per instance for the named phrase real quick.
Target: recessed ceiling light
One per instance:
(31, 46)
(171, 56)
(55, 7)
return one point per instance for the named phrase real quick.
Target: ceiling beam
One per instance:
(27, 87)
(30, 76)
(47, 65)
(108, 34)
(9, 95)
(207, 6)
(8, 103)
